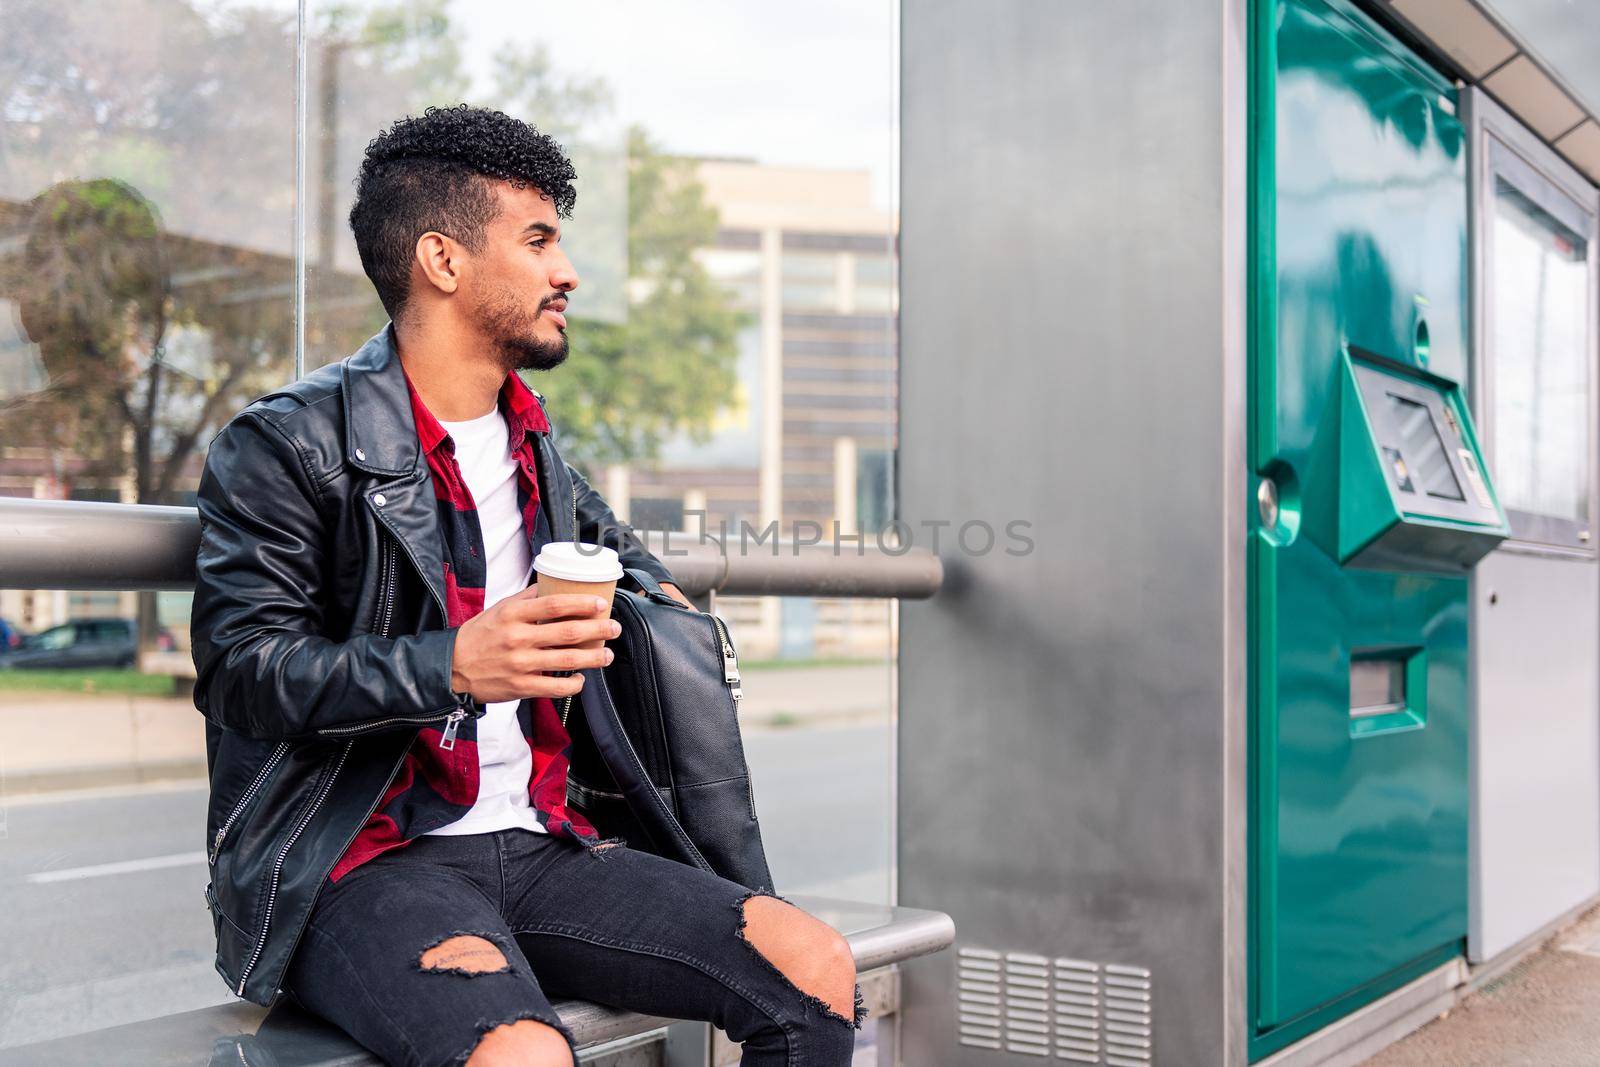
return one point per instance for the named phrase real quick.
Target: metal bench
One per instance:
(246, 1035)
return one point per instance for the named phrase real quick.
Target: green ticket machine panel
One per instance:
(1396, 481)
(1369, 504)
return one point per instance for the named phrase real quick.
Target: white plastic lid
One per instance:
(576, 562)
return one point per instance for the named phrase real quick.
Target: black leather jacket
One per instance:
(320, 635)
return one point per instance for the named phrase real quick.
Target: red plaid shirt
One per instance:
(435, 786)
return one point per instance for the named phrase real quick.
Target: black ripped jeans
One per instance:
(611, 924)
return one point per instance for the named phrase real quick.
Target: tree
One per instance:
(669, 368)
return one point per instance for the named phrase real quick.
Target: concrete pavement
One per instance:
(56, 740)
(1545, 1012)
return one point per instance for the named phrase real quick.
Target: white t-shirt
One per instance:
(505, 762)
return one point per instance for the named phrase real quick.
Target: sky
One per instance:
(793, 84)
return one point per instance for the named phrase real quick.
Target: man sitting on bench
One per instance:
(389, 835)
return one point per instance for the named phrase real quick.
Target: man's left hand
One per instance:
(677, 594)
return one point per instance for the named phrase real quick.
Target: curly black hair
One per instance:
(432, 173)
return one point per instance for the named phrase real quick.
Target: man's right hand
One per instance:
(502, 653)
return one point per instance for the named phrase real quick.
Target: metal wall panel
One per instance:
(1071, 725)
(1535, 841)
(1536, 746)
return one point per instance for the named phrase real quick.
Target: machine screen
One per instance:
(1425, 454)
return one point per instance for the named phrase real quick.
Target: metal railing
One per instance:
(78, 544)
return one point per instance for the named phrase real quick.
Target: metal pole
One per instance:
(77, 544)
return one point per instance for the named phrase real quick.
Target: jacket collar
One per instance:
(516, 405)
(381, 437)
(384, 434)
(380, 433)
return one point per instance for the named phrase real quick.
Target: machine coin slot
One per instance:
(1480, 488)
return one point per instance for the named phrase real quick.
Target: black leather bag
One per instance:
(657, 757)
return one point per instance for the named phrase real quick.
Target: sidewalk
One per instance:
(56, 740)
(1545, 1012)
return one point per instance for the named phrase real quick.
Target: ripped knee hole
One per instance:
(465, 954)
(803, 944)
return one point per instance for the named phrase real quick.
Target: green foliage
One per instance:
(107, 680)
(629, 387)
(197, 127)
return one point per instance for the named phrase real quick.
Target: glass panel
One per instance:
(1542, 356)
(146, 294)
(735, 247)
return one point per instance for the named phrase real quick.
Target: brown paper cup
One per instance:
(549, 586)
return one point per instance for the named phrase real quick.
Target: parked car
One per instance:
(82, 643)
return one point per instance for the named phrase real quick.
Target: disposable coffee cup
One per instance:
(564, 567)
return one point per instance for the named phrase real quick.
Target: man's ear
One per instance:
(440, 260)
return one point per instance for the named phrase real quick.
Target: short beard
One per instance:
(504, 319)
(530, 353)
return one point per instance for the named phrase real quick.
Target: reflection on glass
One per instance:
(733, 363)
(1542, 354)
(146, 294)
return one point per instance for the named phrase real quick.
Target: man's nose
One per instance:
(565, 276)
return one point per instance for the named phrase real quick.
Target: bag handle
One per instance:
(649, 586)
(643, 579)
(626, 766)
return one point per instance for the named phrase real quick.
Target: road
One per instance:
(104, 921)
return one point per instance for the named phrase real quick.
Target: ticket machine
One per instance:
(1371, 502)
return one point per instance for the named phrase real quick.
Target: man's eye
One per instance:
(536, 244)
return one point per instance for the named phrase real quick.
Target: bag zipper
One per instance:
(566, 701)
(730, 662)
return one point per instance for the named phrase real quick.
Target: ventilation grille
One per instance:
(1073, 1010)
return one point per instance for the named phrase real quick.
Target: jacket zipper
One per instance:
(583, 793)
(450, 717)
(277, 754)
(386, 618)
(277, 867)
(388, 570)
(376, 800)
(387, 573)
(382, 620)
